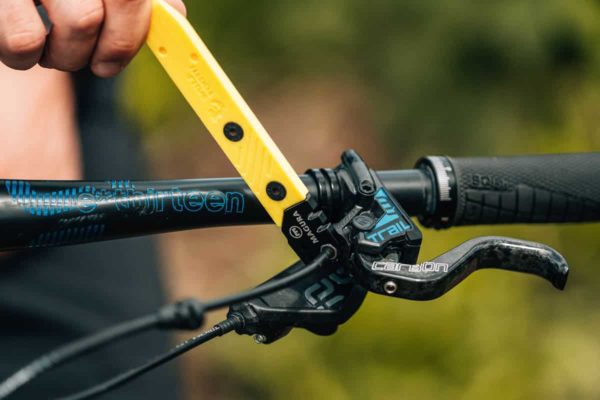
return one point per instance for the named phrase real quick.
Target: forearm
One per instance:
(38, 134)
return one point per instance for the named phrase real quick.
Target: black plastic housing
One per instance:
(319, 303)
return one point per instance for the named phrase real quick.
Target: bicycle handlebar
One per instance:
(441, 191)
(55, 213)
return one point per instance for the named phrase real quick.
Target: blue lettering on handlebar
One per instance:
(124, 196)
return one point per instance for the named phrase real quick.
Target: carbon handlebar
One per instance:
(441, 191)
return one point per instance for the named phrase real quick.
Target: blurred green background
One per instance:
(396, 80)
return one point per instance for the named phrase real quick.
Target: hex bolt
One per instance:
(367, 187)
(233, 132)
(390, 287)
(260, 339)
(276, 191)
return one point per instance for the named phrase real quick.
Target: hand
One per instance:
(105, 34)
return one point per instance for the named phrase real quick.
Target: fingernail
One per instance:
(107, 69)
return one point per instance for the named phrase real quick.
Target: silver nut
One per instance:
(390, 287)
(260, 339)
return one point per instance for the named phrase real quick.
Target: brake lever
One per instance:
(432, 279)
(385, 245)
(380, 246)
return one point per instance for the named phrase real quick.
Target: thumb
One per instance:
(178, 5)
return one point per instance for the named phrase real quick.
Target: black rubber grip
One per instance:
(530, 189)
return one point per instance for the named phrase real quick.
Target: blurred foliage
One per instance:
(461, 78)
(482, 73)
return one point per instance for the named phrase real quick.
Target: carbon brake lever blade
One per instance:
(432, 279)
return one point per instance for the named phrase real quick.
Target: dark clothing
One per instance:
(49, 297)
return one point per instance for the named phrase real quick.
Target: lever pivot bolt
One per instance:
(233, 132)
(260, 339)
(276, 191)
(390, 287)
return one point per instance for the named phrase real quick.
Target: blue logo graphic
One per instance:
(73, 235)
(122, 195)
(43, 204)
(392, 224)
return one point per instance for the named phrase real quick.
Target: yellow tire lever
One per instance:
(223, 111)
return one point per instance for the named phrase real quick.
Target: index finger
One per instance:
(125, 28)
(22, 34)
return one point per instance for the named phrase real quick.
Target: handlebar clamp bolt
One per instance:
(390, 287)
(367, 187)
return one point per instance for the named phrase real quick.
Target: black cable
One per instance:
(272, 286)
(189, 314)
(185, 315)
(119, 380)
(78, 348)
